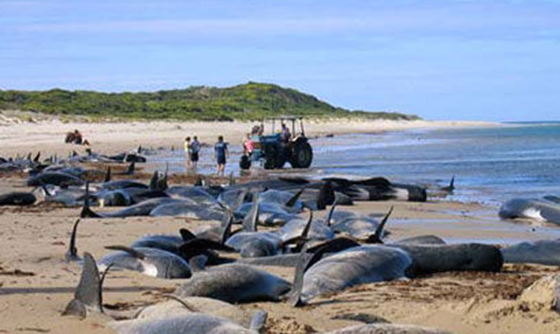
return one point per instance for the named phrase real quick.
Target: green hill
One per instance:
(249, 101)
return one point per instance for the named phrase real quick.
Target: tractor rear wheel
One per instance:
(302, 155)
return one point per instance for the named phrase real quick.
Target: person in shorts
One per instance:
(195, 151)
(221, 154)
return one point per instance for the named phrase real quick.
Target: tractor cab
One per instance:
(285, 142)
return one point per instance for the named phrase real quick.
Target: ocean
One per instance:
(491, 164)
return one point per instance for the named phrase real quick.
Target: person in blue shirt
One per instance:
(221, 154)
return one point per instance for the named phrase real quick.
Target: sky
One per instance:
(439, 59)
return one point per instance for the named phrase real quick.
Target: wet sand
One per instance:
(36, 283)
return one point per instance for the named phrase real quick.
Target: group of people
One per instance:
(221, 153)
(192, 152)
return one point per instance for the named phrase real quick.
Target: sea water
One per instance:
(491, 164)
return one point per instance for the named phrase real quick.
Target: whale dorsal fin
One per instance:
(131, 168)
(293, 200)
(300, 240)
(108, 175)
(72, 253)
(88, 294)
(186, 234)
(226, 228)
(331, 212)
(326, 196)
(377, 237)
(252, 218)
(86, 211)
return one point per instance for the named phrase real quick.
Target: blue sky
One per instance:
(440, 59)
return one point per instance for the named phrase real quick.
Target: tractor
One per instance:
(274, 150)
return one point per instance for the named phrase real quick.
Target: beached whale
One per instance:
(429, 259)
(188, 305)
(128, 157)
(148, 261)
(192, 193)
(353, 266)
(387, 329)
(54, 178)
(17, 198)
(141, 209)
(378, 189)
(69, 196)
(235, 283)
(421, 240)
(545, 252)
(193, 323)
(191, 210)
(531, 208)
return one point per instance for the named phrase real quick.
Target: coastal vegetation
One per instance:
(250, 101)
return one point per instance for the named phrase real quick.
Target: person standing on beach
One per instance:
(248, 145)
(221, 154)
(195, 149)
(188, 154)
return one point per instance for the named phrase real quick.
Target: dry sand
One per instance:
(36, 283)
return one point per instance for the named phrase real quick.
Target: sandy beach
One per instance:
(47, 135)
(36, 283)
